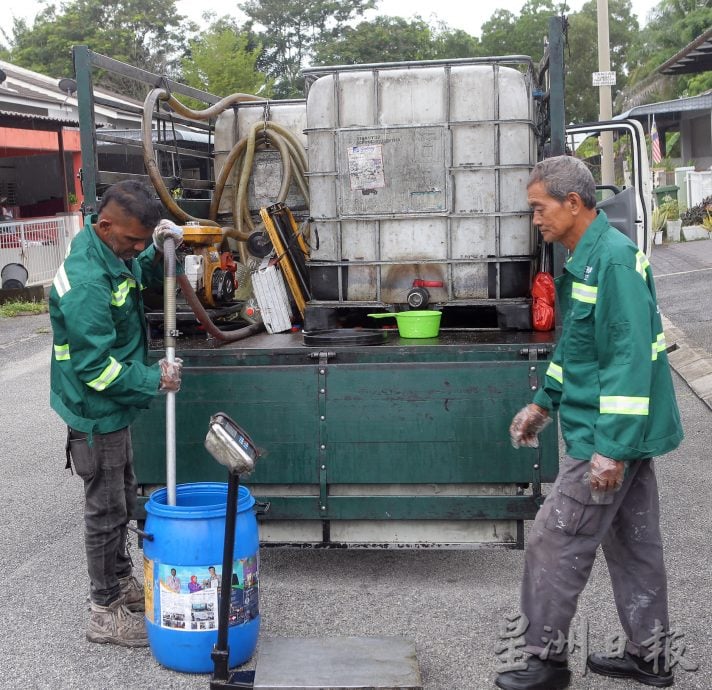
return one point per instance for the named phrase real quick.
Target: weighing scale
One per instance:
(377, 663)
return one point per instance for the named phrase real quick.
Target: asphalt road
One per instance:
(451, 603)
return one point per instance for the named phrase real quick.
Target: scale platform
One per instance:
(333, 663)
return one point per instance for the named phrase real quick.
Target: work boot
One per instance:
(115, 624)
(132, 593)
(629, 666)
(538, 675)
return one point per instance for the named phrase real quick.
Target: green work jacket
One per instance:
(609, 377)
(99, 377)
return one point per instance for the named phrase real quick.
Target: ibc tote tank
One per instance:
(418, 171)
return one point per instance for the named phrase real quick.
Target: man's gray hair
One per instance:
(562, 175)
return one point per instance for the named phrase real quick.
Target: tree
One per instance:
(455, 43)
(507, 34)
(395, 39)
(223, 60)
(290, 30)
(672, 25)
(143, 34)
(582, 98)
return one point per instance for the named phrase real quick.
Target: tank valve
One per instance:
(418, 296)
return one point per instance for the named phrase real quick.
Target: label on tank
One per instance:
(392, 170)
(366, 167)
(188, 597)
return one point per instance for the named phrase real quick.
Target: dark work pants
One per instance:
(110, 497)
(562, 547)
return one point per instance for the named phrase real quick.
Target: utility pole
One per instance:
(605, 111)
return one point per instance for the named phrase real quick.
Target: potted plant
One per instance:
(693, 220)
(658, 223)
(672, 214)
(707, 222)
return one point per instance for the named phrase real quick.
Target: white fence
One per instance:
(699, 186)
(39, 244)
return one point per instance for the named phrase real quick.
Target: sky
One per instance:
(458, 14)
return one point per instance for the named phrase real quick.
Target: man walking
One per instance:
(610, 381)
(100, 382)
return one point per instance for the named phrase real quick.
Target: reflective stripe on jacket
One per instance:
(99, 377)
(609, 376)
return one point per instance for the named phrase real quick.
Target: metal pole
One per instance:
(221, 651)
(556, 86)
(87, 126)
(604, 94)
(169, 331)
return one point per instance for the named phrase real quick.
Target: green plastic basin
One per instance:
(423, 323)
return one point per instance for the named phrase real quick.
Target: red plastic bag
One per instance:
(543, 301)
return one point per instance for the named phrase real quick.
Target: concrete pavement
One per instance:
(452, 603)
(682, 277)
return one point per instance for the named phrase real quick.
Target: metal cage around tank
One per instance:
(418, 172)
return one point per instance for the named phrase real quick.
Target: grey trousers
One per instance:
(110, 497)
(562, 547)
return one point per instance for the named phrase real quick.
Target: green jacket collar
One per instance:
(117, 267)
(579, 260)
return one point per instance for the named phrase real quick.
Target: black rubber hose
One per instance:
(205, 320)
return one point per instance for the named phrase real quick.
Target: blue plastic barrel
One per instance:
(183, 576)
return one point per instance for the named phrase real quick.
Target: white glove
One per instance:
(171, 373)
(164, 229)
(527, 424)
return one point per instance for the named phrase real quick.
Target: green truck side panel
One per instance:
(387, 422)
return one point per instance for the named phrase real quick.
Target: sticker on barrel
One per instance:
(189, 596)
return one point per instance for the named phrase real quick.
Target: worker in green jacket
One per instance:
(610, 382)
(100, 382)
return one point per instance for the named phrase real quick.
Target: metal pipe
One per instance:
(169, 330)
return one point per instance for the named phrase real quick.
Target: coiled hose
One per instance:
(261, 134)
(242, 155)
(149, 158)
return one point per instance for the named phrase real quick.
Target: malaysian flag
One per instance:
(655, 142)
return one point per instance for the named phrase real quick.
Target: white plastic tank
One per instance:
(418, 171)
(233, 124)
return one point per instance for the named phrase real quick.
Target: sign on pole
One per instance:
(604, 78)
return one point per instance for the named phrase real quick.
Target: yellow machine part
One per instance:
(202, 235)
(284, 262)
(211, 262)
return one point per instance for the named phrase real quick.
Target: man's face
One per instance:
(121, 232)
(554, 218)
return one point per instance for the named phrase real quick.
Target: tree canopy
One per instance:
(672, 25)
(223, 60)
(524, 34)
(144, 34)
(289, 32)
(394, 39)
(582, 99)
(266, 53)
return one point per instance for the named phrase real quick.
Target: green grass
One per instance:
(22, 308)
